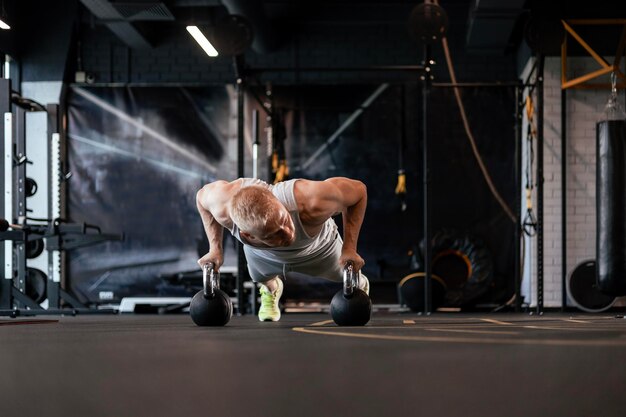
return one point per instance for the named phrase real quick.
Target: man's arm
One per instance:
(323, 199)
(353, 195)
(211, 203)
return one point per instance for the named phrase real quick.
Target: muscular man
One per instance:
(287, 227)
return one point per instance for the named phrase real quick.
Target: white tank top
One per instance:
(304, 247)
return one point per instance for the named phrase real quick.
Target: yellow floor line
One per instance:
(448, 339)
(321, 323)
(408, 321)
(497, 322)
(575, 329)
(471, 331)
(576, 321)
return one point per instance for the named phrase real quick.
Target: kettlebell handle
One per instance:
(350, 279)
(210, 280)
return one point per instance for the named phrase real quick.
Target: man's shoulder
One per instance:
(309, 185)
(219, 190)
(315, 201)
(305, 190)
(215, 195)
(310, 189)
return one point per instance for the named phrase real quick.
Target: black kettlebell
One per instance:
(211, 306)
(31, 187)
(34, 248)
(351, 306)
(412, 291)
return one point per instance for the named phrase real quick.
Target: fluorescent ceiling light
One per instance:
(4, 26)
(202, 40)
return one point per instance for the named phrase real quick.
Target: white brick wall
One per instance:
(584, 108)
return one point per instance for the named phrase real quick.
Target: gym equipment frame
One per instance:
(58, 234)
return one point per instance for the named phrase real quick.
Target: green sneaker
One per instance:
(270, 311)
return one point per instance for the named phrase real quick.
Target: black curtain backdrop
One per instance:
(126, 180)
(137, 156)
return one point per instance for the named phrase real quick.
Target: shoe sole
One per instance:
(269, 320)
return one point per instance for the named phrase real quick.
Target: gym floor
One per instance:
(443, 365)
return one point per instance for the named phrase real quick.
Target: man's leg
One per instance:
(327, 266)
(364, 283)
(267, 275)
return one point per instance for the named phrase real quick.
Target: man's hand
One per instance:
(215, 257)
(351, 255)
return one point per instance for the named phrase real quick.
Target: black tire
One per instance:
(583, 290)
(411, 291)
(464, 263)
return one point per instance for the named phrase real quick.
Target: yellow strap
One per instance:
(530, 108)
(401, 187)
(282, 172)
(530, 111)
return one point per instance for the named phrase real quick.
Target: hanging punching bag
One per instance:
(611, 206)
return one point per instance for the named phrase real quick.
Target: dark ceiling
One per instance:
(490, 26)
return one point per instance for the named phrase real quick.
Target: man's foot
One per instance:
(270, 310)
(364, 284)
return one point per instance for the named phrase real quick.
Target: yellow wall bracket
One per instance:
(605, 67)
